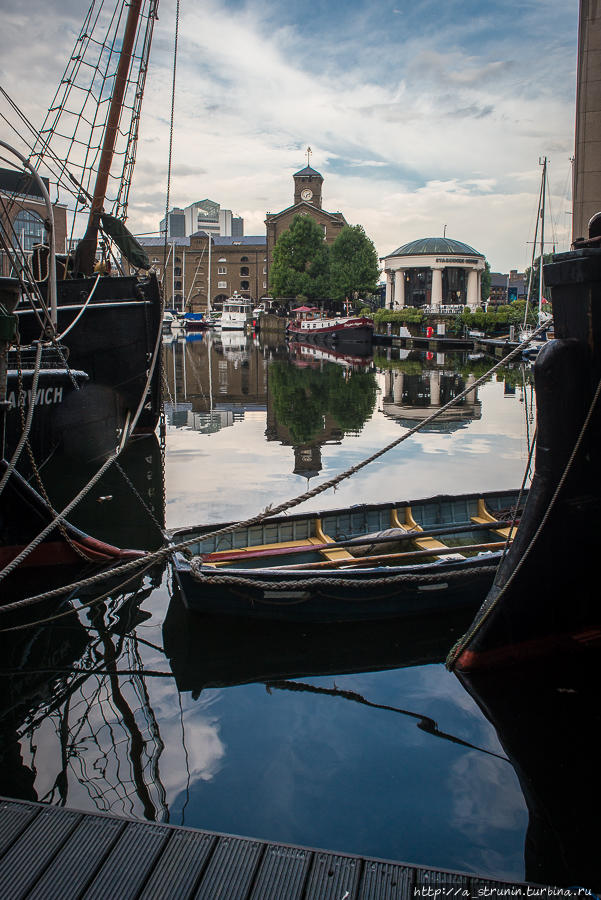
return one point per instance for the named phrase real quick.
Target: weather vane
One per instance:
(309, 152)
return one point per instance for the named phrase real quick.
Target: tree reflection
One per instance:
(303, 398)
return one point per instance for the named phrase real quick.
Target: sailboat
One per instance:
(526, 331)
(100, 330)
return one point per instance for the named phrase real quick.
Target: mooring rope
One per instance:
(60, 517)
(25, 433)
(166, 551)
(489, 605)
(308, 582)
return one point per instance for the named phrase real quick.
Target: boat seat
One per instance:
(324, 538)
(278, 545)
(425, 543)
(484, 516)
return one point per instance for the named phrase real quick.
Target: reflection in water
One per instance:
(96, 715)
(546, 715)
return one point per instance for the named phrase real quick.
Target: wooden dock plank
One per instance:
(282, 873)
(333, 877)
(178, 869)
(48, 853)
(26, 859)
(80, 857)
(386, 881)
(13, 819)
(230, 872)
(128, 864)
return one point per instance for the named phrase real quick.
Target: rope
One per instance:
(171, 121)
(269, 511)
(309, 582)
(24, 434)
(489, 606)
(60, 517)
(81, 311)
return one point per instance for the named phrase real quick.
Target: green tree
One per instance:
(485, 284)
(300, 261)
(354, 265)
(534, 287)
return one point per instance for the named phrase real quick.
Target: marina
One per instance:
(296, 538)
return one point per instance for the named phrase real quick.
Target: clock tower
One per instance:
(307, 187)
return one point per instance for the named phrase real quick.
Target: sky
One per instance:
(422, 116)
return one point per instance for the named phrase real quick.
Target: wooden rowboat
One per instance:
(362, 563)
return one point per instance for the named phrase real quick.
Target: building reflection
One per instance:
(213, 380)
(418, 387)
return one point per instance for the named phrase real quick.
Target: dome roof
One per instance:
(429, 246)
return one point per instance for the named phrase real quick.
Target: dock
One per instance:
(51, 852)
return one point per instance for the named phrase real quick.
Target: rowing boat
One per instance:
(365, 562)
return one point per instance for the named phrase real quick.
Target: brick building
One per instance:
(203, 266)
(306, 202)
(506, 288)
(23, 212)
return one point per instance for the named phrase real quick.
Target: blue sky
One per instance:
(420, 114)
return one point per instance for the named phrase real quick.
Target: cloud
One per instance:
(401, 99)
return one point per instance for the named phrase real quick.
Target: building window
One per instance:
(264, 285)
(221, 270)
(177, 285)
(244, 270)
(178, 259)
(29, 229)
(222, 259)
(177, 271)
(244, 285)
(222, 284)
(264, 270)
(244, 259)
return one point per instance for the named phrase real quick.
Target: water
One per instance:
(348, 738)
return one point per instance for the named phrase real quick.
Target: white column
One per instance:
(399, 379)
(436, 298)
(472, 289)
(434, 388)
(399, 289)
(479, 286)
(388, 300)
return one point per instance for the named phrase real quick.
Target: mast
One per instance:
(209, 279)
(542, 239)
(86, 250)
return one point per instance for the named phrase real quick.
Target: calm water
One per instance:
(249, 729)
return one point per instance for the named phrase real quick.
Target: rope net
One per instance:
(67, 147)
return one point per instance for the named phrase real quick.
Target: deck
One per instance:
(48, 852)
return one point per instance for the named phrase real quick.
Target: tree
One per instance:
(354, 266)
(534, 287)
(486, 282)
(300, 261)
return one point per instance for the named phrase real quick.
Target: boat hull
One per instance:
(359, 332)
(309, 593)
(114, 339)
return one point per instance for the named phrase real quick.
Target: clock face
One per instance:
(306, 194)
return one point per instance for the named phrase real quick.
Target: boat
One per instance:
(108, 323)
(366, 562)
(195, 322)
(310, 325)
(25, 514)
(237, 311)
(543, 600)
